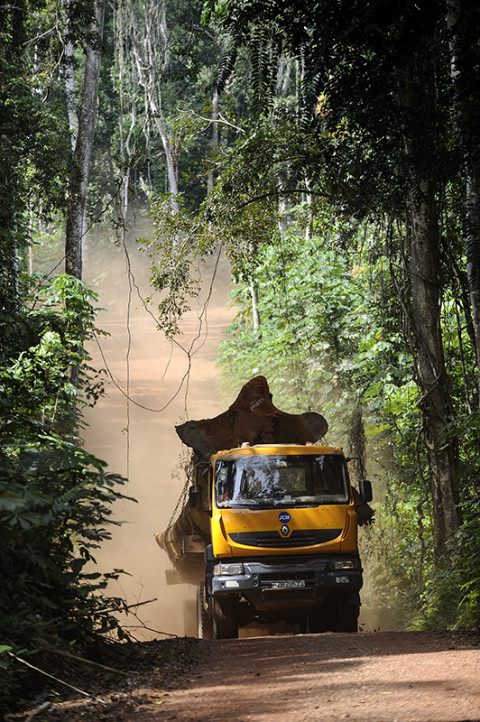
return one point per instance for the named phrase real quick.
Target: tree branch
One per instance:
(57, 679)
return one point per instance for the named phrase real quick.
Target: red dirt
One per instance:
(379, 677)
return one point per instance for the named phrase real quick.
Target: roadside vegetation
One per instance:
(55, 498)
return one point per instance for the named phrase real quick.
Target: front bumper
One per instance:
(270, 583)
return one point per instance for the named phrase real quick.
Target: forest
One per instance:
(331, 151)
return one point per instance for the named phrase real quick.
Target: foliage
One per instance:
(394, 561)
(451, 596)
(329, 338)
(240, 213)
(130, 151)
(55, 498)
(45, 345)
(33, 143)
(318, 324)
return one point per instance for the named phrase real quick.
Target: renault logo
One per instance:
(285, 530)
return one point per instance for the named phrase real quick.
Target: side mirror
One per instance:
(193, 497)
(365, 489)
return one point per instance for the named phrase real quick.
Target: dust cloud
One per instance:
(137, 438)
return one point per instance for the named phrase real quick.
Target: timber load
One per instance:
(252, 418)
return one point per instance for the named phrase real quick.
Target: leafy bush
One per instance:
(55, 498)
(451, 596)
(395, 559)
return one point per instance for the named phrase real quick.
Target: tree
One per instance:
(33, 147)
(417, 95)
(375, 75)
(151, 47)
(55, 497)
(78, 181)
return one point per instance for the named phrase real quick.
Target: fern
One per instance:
(228, 59)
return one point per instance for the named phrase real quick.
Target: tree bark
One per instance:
(310, 217)
(77, 195)
(150, 47)
(69, 75)
(215, 99)
(127, 82)
(435, 404)
(255, 313)
(9, 186)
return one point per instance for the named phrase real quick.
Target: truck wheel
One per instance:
(225, 622)
(189, 611)
(204, 621)
(317, 623)
(346, 618)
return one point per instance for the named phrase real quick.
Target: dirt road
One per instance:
(331, 677)
(377, 677)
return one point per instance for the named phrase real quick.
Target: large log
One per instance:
(254, 419)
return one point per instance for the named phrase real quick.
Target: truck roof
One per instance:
(271, 449)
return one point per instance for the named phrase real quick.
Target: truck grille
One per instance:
(274, 540)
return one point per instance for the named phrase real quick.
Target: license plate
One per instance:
(287, 584)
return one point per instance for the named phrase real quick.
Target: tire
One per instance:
(317, 623)
(225, 621)
(189, 618)
(204, 620)
(313, 623)
(346, 618)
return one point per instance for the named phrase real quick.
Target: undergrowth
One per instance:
(55, 497)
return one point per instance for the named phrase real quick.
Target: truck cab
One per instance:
(283, 540)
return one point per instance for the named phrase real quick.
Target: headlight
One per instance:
(228, 569)
(346, 564)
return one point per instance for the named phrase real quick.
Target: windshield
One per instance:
(289, 480)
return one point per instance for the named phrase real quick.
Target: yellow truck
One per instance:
(273, 529)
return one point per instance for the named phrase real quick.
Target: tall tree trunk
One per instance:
(77, 195)
(357, 444)
(215, 99)
(310, 217)
(150, 46)
(281, 87)
(435, 403)
(127, 82)
(463, 20)
(283, 75)
(255, 313)
(436, 407)
(69, 75)
(12, 15)
(282, 206)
